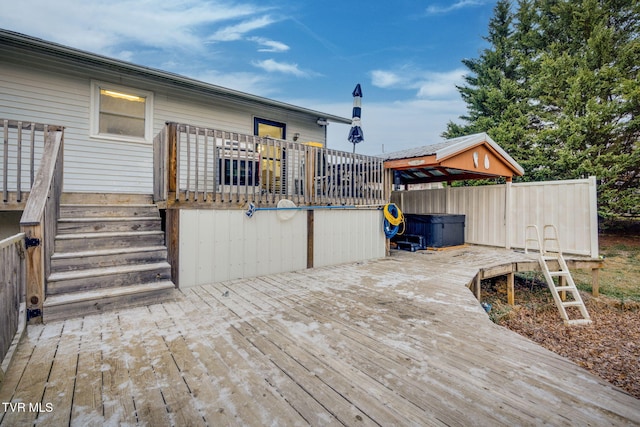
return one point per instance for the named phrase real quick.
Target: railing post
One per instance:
(39, 220)
(35, 272)
(160, 166)
(5, 162)
(172, 147)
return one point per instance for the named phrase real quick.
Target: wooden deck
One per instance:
(398, 341)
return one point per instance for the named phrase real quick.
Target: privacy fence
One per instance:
(497, 215)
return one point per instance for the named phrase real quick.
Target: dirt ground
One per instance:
(610, 346)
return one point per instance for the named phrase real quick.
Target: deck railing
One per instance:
(40, 218)
(12, 291)
(23, 144)
(210, 166)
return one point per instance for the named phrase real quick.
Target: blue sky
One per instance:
(406, 54)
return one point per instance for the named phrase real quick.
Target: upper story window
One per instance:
(263, 127)
(121, 113)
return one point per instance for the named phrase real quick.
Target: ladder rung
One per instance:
(565, 288)
(572, 304)
(578, 322)
(550, 258)
(559, 273)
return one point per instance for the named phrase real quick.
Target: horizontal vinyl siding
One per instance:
(34, 90)
(91, 165)
(227, 116)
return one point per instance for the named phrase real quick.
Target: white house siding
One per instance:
(37, 90)
(342, 236)
(218, 245)
(229, 116)
(91, 165)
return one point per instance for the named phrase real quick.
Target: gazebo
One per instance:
(468, 157)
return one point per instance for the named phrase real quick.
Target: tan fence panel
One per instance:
(342, 236)
(497, 215)
(569, 205)
(484, 210)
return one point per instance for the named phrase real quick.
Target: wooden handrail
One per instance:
(40, 219)
(35, 205)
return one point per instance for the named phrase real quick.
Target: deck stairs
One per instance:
(550, 256)
(107, 256)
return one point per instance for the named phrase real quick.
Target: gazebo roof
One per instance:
(468, 157)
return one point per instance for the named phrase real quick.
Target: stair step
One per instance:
(108, 210)
(103, 277)
(572, 304)
(556, 257)
(559, 273)
(108, 224)
(105, 198)
(565, 288)
(57, 307)
(107, 240)
(67, 261)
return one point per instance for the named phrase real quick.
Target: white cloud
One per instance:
(440, 85)
(384, 79)
(427, 84)
(236, 32)
(269, 45)
(99, 26)
(437, 10)
(273, 66)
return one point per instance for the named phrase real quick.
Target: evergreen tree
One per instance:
(558, 89)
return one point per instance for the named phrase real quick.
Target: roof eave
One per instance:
(34, 43)
(476, 139)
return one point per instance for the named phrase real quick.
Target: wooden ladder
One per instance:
(549, 248)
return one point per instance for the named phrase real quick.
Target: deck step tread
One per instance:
(101, 205)
(109, 219)
(96, 294)
(106, 252)
(108, 234)
(106, 271)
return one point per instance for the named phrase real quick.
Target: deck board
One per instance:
(397, 341)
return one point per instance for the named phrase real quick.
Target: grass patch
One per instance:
(620, 276)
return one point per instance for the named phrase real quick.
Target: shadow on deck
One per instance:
(400, 340)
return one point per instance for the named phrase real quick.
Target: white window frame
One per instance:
(94, 125)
